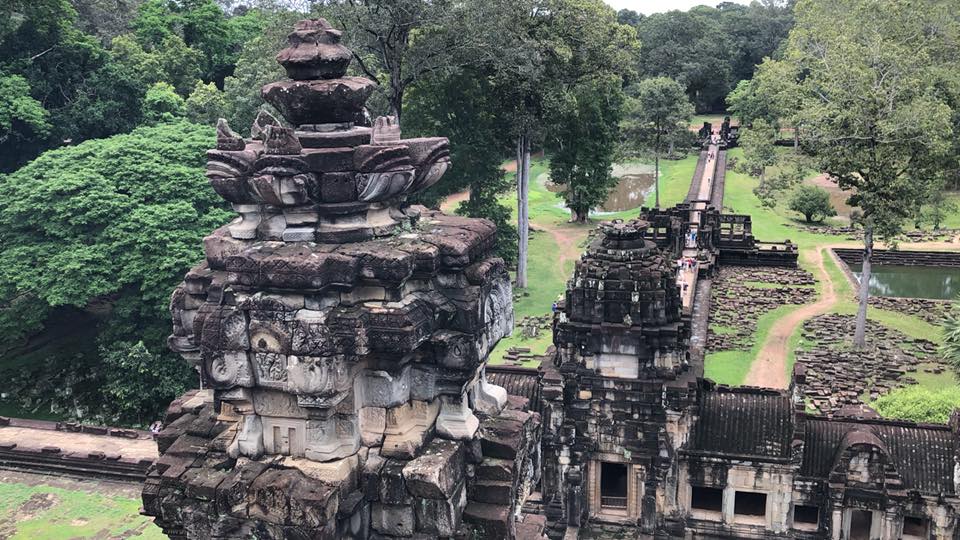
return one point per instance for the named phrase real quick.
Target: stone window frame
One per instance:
(805, 525)
(876, 521)
(703, 514)
(748, 519)
(925, 522)
(636, 488)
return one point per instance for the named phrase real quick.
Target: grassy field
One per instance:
(37, 511)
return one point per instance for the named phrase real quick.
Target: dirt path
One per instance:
(568, 240)
(769, 369)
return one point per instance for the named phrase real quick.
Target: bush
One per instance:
(813, 203)
(919, 404)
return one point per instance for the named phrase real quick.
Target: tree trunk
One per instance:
(763, 176)
(796, 140)
(523, 216)
(860, 331)
(656, 179)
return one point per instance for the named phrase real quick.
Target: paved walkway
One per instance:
(80, 443)
(688, 275)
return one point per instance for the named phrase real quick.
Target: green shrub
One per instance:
(813, 202)
(919, 404)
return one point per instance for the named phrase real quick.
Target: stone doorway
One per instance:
(860, 525)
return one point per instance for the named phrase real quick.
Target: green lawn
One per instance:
(40, 512)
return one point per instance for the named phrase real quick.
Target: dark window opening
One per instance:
(747, 503)
(860, 521)
(613, 485)
(706, 498)
(914, 526)
(806, 514)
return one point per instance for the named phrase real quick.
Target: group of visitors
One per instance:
(692, 239)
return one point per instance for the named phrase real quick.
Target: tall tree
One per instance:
(759, 152)
(874, 80)
(399, 42)
(657, 111)
(106, 227)
(582, 143)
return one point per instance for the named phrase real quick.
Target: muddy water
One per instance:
(635, 188)
(912, 281)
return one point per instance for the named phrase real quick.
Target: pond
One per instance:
(912, 281)
(635, 186)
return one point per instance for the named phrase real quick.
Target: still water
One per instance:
(912, 281)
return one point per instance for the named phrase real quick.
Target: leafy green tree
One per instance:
(23, 120)
(206, 104)
(466, 108)
(203, 27)
(919, 404)
(657, 112)
(399, 42)
(110, 226)
(68, 72)
(755, 31)
(691, 48)
(937, 205)
(162, 104)
(813, 202)
(135, 381)
(759, 152)
(874, 107)
(582, 142)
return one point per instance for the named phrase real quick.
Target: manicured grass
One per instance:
(39, 512)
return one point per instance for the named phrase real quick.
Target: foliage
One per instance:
(399, 42)
(919, 404)
(465, 108)
(115, 223)
(708, 49)
(203, 27)
(206, 104)
(950, 349)
(583, 137)
(759, 152)
(135, 381)
(813, 202)
(162, 104)
(67, 71)
(657, 115)
(874, 81)
(22, 118)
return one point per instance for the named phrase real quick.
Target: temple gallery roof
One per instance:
(518, 381)
(744, 422)
(921, 453)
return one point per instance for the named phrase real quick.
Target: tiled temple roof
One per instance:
(518, 381)
(921, 453)
(744, 422)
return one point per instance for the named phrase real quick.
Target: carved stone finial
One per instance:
(314, 52)
(386, 130)
(281, 141)
(259, 128)
(227, 139)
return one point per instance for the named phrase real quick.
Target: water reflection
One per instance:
(912, 281)
(631, 192)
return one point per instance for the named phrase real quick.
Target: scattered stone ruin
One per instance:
(343, 336)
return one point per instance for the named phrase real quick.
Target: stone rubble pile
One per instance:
(737, 301)
(837, 375)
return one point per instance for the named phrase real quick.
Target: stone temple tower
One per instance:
(618, 394)
(344, 335)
